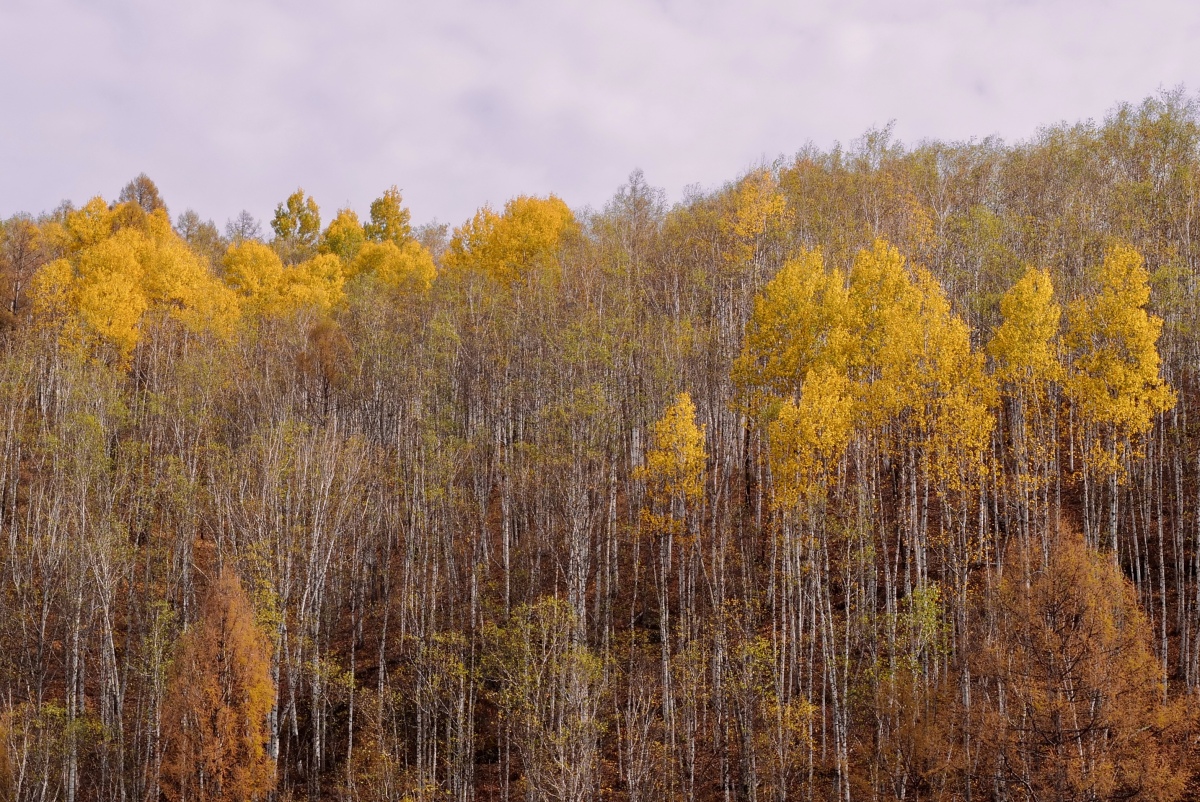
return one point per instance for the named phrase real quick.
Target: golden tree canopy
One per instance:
(507, 246)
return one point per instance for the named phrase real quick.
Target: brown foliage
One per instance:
(220, 693)
(1070, 701)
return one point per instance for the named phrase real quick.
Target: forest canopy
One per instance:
(868, 474)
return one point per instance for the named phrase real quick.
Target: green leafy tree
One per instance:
(390, 220)
(297, 227)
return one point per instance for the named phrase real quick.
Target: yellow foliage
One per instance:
(406, 268)
(121, 265)
(1114, 379)
(316, 283)
(808, 437)
(758, 208)
(956, 390)
(266, 287)
(885, 314)
(255, 272)
(297, 225)
(799, 321)
(109, 296)
(389, 219)
(823, 358)
(344, 236)
(89, 225)
(177, 278)
(51, 290)
(508, 246)
(674, 467)
(1025, 346)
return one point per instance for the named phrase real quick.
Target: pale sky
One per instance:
(232, 104)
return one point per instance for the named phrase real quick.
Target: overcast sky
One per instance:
(232, 104)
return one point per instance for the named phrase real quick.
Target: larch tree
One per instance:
(215, 732)
(1069, 702)
(201, 236)
(144, 193)
(241, 228)
(20, 256)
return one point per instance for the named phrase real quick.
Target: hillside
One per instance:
(868, 475)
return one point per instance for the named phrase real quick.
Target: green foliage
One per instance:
(389, 220)
(297, 227)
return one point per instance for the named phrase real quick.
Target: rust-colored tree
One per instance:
(215, 732)
(1069, 700)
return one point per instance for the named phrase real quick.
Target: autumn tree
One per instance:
(674, 476)
(1069, 703)
(20, 256)
(344, 236)
(266, 286)
(510, 246)
(549, 690)
(389, 219)
(201, 235)
(219, 694)
(800, 322)
(297, 227)
(117, 268)
(759, 214)
(498, 555)
(1114, 380)
(1025, 352)
(241, 228)
(142, 192)
(405, 268)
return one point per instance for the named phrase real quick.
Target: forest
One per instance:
(868, 475)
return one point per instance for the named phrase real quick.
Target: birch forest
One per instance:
(869, 475)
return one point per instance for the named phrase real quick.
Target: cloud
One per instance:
(235, 104)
